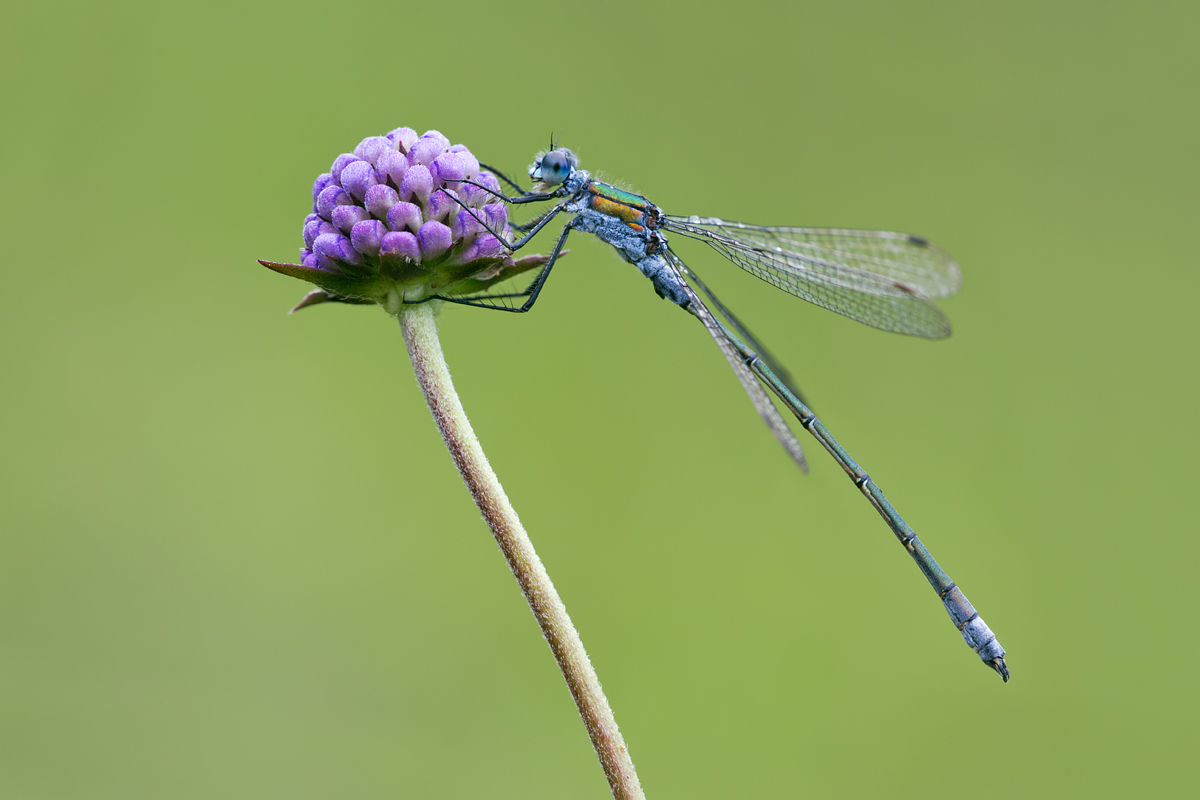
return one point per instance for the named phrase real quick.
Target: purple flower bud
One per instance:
(424, 151)
(404, 138)
(331, 196)
(314, 228)
(416, 184)
(379, 199)
(346, 217)
(392, 166)
(435, 239)
(454, 167)
(458, 148)
(496, 216)
(465, 225)
(323, 180)
(485, 246)
(472, 161)
(309, 260)
(357, 177)
(441, 205)
(367, 235)
(483, 193)
(397, 246)
(437, 136)
(372, 147)
(473, 196)
(404, 216)
(488, 246)
(340, 163)
(489, 180)
(336, 248)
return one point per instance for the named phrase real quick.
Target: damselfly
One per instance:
(883, 279)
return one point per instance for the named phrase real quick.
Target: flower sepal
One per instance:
(371, 289)
(318, 296)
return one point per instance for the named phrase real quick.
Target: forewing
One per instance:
(912, 260)
(879, 278)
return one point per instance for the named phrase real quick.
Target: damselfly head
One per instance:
(554, 167)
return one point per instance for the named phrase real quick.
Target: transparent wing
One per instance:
(760, 349)
(879, 278)
(758, 396)
(912, 260)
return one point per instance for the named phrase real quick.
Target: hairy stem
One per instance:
(425, 351)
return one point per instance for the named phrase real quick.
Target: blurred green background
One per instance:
(236, 561)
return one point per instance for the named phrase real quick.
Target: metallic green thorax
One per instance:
(626, 206)
(619, 195)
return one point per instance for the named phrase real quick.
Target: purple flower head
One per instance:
(389, 224)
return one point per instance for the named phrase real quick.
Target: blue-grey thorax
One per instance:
(638, 245)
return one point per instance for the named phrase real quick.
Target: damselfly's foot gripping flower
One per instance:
(400, 220)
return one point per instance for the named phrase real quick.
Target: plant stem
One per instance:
(425, 351)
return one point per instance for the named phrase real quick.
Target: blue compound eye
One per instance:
(556, 166)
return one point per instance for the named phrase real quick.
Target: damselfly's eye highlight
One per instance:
(556, 166)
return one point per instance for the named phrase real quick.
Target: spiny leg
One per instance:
(517, 245)
(523, 197)
(531, 293)
(505, 178)
(522, 227)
